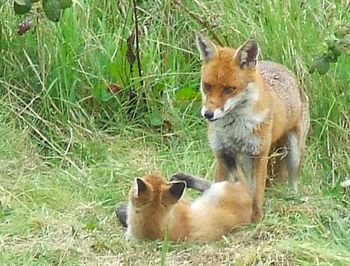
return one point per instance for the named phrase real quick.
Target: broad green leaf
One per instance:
(52, 9)
(21, 2)
(22, 8)
(321, 64)
(101, 93)
(156, 119)
(65, 4)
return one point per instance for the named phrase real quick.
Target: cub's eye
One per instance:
(229, 90)
(206, 87)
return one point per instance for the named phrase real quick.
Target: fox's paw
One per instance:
(257, 214)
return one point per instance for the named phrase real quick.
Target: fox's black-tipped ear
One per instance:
(247, 54)
(141, 186)
(206, 47)
(177, 189)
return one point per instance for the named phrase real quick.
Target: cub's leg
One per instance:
(196, 183)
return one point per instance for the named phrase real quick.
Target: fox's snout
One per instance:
(212, 114)
(209, 115)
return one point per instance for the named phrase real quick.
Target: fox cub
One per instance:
(156, 208)
(254, 109)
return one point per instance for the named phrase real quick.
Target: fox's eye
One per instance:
(206, 87)
(229, 90)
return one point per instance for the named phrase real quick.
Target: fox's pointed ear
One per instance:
(177, 189)
(247, 54)
(140, 186)
(206, 47)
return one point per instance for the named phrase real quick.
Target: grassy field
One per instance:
(70, 148)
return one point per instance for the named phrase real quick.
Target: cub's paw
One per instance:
(188, 179)
(196, 183)
(122, 212)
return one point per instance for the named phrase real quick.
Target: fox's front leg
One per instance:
(226, 165)
(258, 182)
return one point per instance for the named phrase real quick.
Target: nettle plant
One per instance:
(337, 44)
(51, 8)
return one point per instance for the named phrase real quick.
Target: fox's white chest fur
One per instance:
(236, 129)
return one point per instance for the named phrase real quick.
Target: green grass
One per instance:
(69, 150)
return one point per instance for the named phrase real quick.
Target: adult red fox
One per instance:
(253, 108)
(156, 208)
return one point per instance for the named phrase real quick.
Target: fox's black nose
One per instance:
(208, 115)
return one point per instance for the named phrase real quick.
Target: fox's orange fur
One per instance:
(253, 108)
(156, 207)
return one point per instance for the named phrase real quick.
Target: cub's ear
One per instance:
(173, 193)
(206, 47)
(247, 54)
(177, 189)
(140, 186)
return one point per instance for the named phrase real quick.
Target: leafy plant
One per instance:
(22, 6)
(51, 8)
(337, 44)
